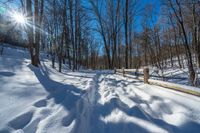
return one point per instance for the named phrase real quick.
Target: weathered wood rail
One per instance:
(146, 78)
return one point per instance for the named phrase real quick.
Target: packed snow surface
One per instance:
(42, 100)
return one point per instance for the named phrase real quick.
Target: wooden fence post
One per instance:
(123, 71)
(146, 75)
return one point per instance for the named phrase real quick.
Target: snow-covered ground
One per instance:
(41, 100)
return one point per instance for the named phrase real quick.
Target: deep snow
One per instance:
(42, 100)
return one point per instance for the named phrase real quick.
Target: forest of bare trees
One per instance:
(108, 34)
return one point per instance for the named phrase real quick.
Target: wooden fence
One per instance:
(146, 78)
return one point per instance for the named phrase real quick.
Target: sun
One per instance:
(19, 18)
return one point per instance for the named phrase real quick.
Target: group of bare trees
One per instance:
(69, 33)
(60, 27)
(115, 25)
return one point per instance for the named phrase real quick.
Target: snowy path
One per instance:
(42, 100)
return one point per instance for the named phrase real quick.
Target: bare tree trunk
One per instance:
(72, 33)
(53, 46)
(126, 34)
(40, 23)
(60, 51)
(29, 14)
(36, 60)
(130, 44)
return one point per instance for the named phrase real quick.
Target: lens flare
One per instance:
(19, 18)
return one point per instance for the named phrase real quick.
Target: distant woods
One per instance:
(107, 34)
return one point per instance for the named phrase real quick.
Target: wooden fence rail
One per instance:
(146, 78)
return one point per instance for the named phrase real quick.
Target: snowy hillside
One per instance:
(42, 100)
(174, 75)
(170, 74)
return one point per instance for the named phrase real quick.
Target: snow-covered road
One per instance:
(42, 100)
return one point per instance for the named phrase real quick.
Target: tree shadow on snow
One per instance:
(7, 74)
(64, 94)
(138, 114)
(125, 126)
